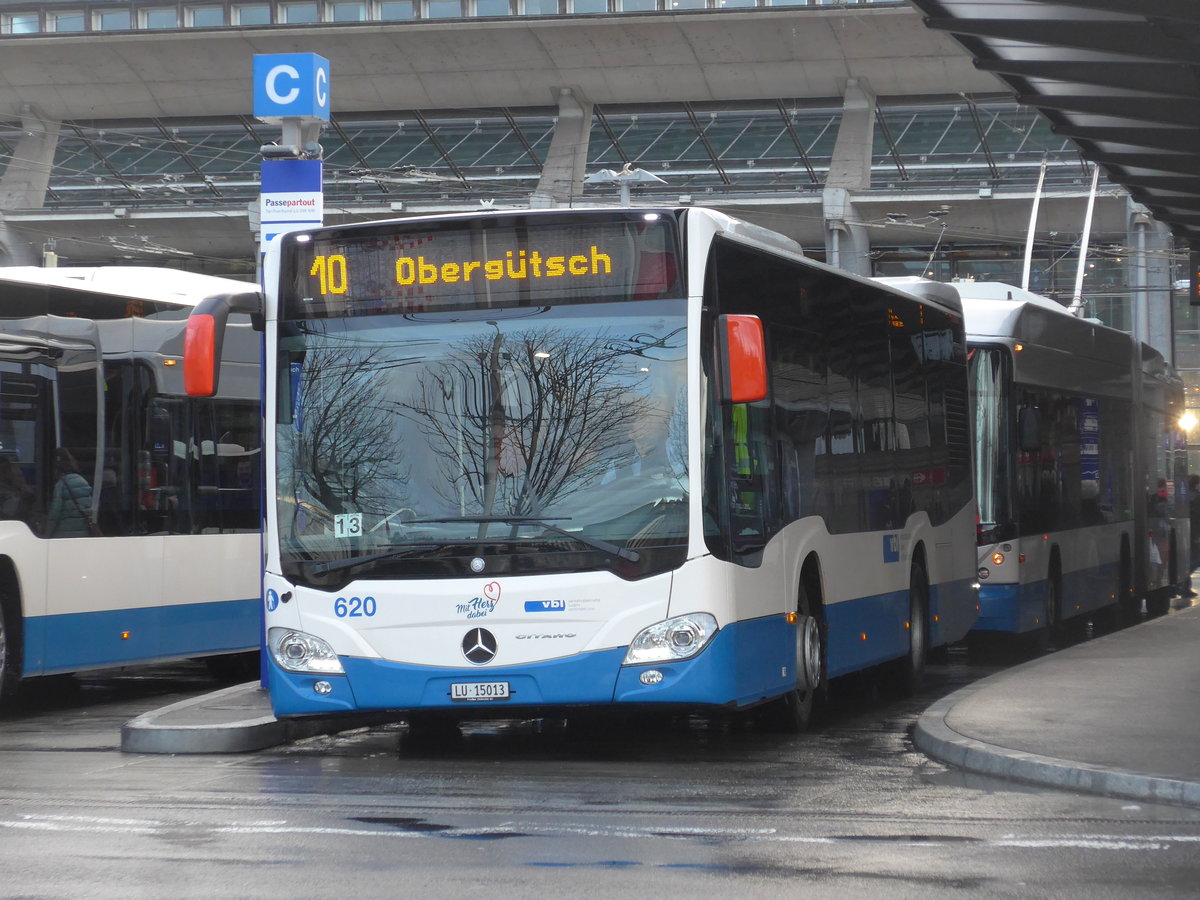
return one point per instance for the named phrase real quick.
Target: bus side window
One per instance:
(749, 477)
(798, 388)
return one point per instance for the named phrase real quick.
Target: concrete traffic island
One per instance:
(1117, 716)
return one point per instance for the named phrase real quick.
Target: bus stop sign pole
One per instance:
(292, 91)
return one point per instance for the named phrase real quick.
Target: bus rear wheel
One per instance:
(796, 710)
(902, 678)
(8, 659)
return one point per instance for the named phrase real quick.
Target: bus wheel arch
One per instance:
(797, 709)
(902, 677)
(11, 629)
(1113, 615)
(1055, 622)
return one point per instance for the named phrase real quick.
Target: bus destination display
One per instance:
(393, 270)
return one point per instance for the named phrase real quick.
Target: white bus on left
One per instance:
(129, 512)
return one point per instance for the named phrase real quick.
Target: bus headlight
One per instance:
(297, 651)
(679, 638)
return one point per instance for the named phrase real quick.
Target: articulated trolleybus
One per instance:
(1079, 467)
(1080, 464)
(129, 512)
(530, 462)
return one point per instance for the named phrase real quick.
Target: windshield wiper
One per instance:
(338, 564)
(595, 543)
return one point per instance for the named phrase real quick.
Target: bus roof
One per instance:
(999, 310)
(142, 282)
(1003, 311)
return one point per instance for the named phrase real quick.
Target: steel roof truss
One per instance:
(892, 148)
(708, 148)
(790, 127)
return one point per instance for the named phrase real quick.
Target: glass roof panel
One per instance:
(173, 162)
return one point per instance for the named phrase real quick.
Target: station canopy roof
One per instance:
(1121, 78)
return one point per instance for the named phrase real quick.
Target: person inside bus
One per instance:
(16, 496)
(70, 509)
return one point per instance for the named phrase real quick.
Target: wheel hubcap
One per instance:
(808, 654)
(916, 642)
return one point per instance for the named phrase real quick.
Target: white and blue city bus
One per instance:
(537, 461)
(129, 512)
(1077, 467)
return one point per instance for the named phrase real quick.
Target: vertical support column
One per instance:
(17, 248)
(28, 173)
(846, 240)
(566, 160)
(24, 183)
(1149, 277)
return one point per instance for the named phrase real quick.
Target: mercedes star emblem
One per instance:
(479, 646)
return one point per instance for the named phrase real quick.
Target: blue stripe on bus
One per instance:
(1011, 608)
(1092, 588)
(746, 662)
(75, 641)
(866, 632)
(952, 610)
(1017, 609)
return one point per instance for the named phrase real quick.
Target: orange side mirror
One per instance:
(206, 333)
(200, 356)
(743, 350)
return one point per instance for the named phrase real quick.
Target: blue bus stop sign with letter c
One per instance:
(291, 85)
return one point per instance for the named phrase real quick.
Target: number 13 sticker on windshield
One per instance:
(347, 525)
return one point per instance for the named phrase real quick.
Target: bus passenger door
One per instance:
(100, 589)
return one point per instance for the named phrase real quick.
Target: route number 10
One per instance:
(331, 273)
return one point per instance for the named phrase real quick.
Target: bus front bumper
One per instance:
(1011, 608)
(743, 664)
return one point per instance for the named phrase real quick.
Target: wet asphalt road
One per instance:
(513, 809)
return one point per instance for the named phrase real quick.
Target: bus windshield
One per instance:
(496, 441)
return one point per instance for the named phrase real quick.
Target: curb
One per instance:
(148, 734)
(941, 742)
(152, 732)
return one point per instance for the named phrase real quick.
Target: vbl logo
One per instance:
(545, 606)
(891, 548)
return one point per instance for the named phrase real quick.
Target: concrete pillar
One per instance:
(25, 179)
(24, 183)
(18, 248)
(847, 243)
(566, 160)
(1149, 278)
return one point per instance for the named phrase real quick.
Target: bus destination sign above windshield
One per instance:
(394, 270)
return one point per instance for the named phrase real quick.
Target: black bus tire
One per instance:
(799, 708)
(903, 677)
(10, 669)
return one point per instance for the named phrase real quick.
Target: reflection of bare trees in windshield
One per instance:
(522, 421)
(346, 446)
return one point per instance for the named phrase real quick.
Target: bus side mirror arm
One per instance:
(205, 335)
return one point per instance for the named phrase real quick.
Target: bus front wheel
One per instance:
(796, 710)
